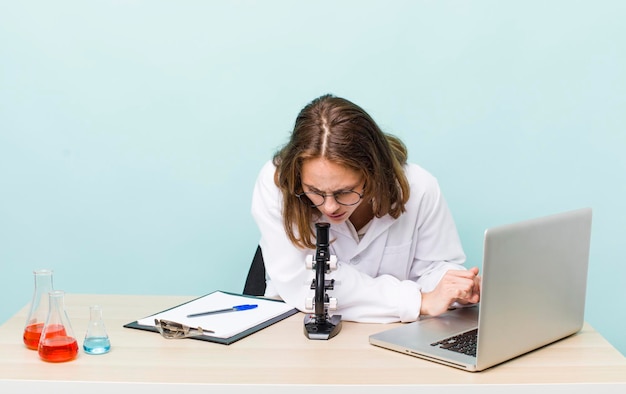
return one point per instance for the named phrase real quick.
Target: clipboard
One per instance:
(228, 327)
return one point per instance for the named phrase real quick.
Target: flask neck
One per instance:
(95, 313)
(43, 281)
(57, 300)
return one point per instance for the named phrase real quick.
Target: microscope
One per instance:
(320, 325)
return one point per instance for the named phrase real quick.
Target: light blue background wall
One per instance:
(131, 132)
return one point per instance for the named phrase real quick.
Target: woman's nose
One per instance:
(330, 204)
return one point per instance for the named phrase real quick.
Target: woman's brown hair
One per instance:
(343, 133)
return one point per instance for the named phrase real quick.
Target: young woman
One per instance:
(398, 251)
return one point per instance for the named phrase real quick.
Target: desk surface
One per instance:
(281, 356)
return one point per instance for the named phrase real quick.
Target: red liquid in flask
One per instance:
(58, 349)
(32, 334)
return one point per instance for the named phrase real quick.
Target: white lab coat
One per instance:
(379, 278)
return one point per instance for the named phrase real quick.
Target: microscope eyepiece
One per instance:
(322, 234)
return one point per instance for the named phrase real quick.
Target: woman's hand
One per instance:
(462, 286)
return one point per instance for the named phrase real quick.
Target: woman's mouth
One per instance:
(337, 216)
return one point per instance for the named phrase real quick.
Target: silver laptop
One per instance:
(534, 281)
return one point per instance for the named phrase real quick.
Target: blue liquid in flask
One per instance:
(96, 340)
(97, 345)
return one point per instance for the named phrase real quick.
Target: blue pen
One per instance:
(235, 308)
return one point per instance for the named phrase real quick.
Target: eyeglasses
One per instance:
(172, 330)
(343, 197)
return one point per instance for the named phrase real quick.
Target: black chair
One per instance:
(255, 281)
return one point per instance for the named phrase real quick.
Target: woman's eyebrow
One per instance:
(314, 189)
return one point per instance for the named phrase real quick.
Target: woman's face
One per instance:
(327, 178)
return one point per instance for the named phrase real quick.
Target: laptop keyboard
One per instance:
(463, 343)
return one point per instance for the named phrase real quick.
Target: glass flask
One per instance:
(96, 339)
(57, 342)
(39, 307)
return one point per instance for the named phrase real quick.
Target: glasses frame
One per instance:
(334, 195)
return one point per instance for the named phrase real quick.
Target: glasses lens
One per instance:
(311, 198)
(348, 197)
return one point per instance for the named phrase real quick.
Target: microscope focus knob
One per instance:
(332, 263)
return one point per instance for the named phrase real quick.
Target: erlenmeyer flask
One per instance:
(96, 339)
(57, 342)
(39, 307)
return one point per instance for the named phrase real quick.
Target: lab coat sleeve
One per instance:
(438, 247)
(284, 262)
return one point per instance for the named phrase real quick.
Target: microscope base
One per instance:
(326, 329)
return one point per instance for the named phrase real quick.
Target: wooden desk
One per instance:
(280, 359)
